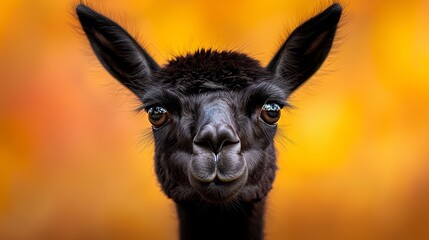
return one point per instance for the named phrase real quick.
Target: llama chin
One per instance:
(214, 116)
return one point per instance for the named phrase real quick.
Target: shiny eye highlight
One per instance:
(270, 113)
(158, 116)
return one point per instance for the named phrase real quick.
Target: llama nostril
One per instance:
(223, 144)
(216, 137)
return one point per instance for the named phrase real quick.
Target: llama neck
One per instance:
(203, 221)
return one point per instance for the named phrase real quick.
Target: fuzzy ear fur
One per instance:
(305, 49)
(119, 53)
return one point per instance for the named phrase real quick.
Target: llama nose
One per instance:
(216, 136)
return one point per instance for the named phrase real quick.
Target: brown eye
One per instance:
(158, 116)
(270, 113)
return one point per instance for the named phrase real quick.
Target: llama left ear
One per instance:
(119, 53)
(305, 49)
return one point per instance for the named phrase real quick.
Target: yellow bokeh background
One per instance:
(76, 160)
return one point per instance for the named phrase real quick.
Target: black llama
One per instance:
(214, 116)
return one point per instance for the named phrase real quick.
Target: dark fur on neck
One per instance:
(199, 220)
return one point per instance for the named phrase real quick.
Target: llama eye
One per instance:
(158, 116)
(270, 113)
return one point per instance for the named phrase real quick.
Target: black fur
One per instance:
(215, 155)
(210, 70)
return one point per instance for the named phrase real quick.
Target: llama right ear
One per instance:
(305, 49)
(119, 53)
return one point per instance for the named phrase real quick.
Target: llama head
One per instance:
(213, 113)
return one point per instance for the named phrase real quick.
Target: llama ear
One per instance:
(119, 53)
(305, 49)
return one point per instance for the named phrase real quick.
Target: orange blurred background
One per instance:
(76, 163)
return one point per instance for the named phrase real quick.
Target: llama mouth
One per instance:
(218, 177)
(218, 191)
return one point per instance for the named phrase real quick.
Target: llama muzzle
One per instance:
(217, 169)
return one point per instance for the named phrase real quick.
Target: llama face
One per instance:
(211, 154)
(213, 113)
(218, 120)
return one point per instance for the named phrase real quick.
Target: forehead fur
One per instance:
(211, 70)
